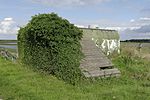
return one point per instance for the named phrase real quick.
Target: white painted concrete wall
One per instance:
(108, 45)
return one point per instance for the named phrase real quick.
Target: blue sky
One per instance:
(130, 17)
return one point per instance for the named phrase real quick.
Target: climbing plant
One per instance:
(51, 44)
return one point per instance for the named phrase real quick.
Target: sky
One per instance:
(130, 17)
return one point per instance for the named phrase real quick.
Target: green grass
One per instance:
(18, 82)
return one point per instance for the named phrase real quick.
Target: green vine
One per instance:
(51, 44)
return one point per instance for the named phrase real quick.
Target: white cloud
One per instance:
(8, 26)
(145, 18)
(140, 22)
(57, 3)
(132, 20)
(115, 28)
(119, 28)
(80, 26)
(139, 29)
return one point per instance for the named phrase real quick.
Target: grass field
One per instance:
(18, 82)
(132, 47)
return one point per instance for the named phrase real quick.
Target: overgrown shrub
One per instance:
(52, 44)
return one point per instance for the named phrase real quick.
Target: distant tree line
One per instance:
(138, 40)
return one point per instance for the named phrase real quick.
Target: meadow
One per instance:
(19, 82)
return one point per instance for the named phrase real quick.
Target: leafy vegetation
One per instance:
(51, 44)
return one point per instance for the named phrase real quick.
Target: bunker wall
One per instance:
(107, 40)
